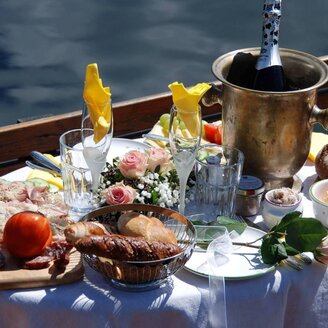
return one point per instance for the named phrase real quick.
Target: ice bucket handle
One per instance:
(320, 116)
(212, 96)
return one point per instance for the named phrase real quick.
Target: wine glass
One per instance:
(184, 136)
(96, 142)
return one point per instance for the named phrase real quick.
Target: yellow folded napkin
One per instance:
(318, 140)
(186, 100)
(97, 99)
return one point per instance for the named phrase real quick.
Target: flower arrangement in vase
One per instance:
(141, 177)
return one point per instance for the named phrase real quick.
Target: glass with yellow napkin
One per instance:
(97, 123)
(185, 131)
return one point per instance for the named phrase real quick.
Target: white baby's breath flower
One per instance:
(159, 188)
(140, 199)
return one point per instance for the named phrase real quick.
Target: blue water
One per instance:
(140, 46)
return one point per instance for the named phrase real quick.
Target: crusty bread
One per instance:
(126, 248)
(85, 228)
(152, 229)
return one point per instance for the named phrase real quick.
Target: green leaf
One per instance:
(198, 222)
(286, 220)
(154, 197)
(206, 234)
(272, 250)
(290, 250)
(230, 223)
(305, 234)
(157, 169)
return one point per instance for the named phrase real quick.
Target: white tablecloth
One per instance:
(281, 298)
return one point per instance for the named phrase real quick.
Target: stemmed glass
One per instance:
(95, 151)
(184, 135)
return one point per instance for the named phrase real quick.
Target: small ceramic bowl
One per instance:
(273, 212)
(319, 195)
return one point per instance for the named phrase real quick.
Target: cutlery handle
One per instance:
(38, 167)
(43, 160)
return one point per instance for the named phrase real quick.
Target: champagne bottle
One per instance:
(242, 70)
(269, 71)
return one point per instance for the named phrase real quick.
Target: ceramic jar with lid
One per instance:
(249, 195)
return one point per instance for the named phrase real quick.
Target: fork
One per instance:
(293, 263)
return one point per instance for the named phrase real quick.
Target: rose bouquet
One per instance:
(137, 177)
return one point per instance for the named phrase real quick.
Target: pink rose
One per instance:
(133, 164)
(157, 157)
(321, 253)
(119, 194)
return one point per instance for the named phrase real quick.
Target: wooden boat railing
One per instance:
(132, 118)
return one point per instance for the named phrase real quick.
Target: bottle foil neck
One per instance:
(269, 55)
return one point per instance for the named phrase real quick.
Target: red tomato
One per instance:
(213, 132)
(26, 234)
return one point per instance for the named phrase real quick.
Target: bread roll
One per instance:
(85, 228)
(125, 248)
(133, 224)
(152, 229)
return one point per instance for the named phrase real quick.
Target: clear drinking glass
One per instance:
(218, 170)
(77, 178)
(94, 151)
(184, 135)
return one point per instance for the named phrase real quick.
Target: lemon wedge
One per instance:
(186, 100)
(39, 174)
(97, 99)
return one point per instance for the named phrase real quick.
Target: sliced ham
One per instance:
(37, 194)
(18, 197)
(12, 191)
(8, 209)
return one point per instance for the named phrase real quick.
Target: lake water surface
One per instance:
(140, 46)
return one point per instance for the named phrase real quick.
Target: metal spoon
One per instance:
(38, 167)
(43, 160)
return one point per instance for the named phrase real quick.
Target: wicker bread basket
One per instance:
(141, 275)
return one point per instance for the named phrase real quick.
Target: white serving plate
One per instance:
(244, 262)
(119, 147)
